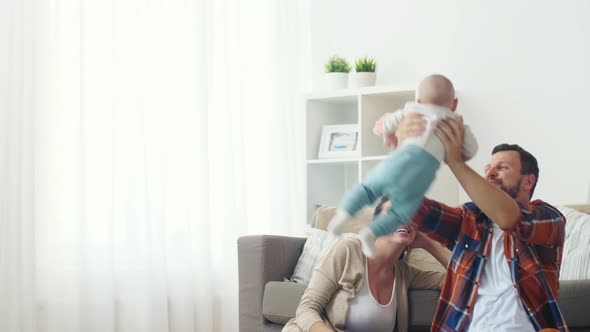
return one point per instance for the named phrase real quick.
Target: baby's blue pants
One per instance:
(404, 177)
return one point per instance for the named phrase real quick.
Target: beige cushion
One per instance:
(419, 258)
(423, 260)
(585, 208)
(281, 300)
(325, 213)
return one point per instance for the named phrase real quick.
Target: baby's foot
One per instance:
(368, 241)
(337, 223)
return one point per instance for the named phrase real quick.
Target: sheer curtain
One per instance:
(139, 139)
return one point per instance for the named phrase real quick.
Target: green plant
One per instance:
(365, 65)
(337, 64)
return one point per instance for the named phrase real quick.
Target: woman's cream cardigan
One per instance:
(339, 277)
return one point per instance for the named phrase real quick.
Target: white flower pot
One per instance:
(365, 79)
(337, 80)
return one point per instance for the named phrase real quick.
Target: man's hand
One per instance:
(412, 125)
(493, 201)
(451, 132)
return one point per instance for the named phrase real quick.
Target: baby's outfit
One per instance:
(404, 177)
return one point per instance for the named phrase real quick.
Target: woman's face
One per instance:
(403, 235)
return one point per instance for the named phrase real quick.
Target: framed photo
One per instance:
(339, 141)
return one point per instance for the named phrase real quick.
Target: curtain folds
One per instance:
(139, 140)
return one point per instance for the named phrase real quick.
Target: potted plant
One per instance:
(365, 72)
(337, 70)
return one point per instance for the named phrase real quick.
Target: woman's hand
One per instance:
(422, 241)
(321, 327)
(412, 125)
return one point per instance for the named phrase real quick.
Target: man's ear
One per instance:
(529, 181)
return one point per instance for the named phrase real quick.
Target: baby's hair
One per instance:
(436, 89)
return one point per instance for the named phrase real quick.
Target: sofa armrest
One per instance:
(262, 258)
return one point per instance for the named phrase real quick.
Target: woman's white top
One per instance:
(366, 314)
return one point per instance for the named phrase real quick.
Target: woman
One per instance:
(350, 292)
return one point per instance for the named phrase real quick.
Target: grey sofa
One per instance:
(267, 301)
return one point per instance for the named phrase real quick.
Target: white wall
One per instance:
(522, 69)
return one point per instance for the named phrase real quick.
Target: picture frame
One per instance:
(339, 141)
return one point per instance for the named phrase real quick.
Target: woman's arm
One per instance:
(428, 279)
(420, 279)
(321, 327)
(437, 250)
(313, 302)
(322, 286)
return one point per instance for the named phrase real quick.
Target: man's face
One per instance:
(504, 171)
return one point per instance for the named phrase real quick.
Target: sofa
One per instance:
(268, 299)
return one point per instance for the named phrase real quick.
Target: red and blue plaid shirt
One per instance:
(532, 248)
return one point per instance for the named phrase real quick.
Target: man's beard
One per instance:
(512, 191)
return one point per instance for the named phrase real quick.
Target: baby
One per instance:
(408, 172)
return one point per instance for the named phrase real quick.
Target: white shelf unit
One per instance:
(329, 179)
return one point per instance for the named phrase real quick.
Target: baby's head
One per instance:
(437, 90)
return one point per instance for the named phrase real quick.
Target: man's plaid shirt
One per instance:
(533, 252)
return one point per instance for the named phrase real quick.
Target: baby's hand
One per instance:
(390, 140)
(389, 137)
(378, 128)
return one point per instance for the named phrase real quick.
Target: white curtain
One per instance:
(139, 140)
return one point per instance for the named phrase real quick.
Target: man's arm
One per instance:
(541, 223)
(493, 201)
(438, 221)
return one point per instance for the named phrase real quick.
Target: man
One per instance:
(503, 275)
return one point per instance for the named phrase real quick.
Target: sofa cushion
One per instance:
(573, 301)
(324, 214)
(422, 304)
(281, 299)
(423, 260)
(317, 240)
(316, 247)
(584, 208)
(576, 249)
